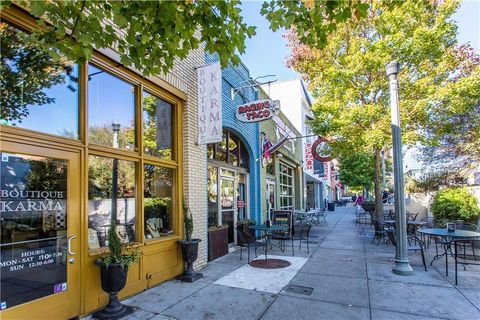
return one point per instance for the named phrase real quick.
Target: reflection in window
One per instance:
(111, 196)
(157, 126)
(33, 216)
(212, 196)
(37, 92)
(230, 150)
(111, 110)
(158, 194)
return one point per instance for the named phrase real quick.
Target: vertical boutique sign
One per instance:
(209, 103)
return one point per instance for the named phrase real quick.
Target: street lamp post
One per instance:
(116, 129)
(402, 265)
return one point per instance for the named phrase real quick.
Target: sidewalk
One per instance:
(344, 277)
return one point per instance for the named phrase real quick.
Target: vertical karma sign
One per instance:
(209, 103)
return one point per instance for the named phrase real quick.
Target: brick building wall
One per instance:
(194, 156)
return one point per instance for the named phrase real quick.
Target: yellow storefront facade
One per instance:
(82, 145)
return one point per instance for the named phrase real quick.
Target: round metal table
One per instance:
(449, 237)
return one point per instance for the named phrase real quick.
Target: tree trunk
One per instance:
(377, 159)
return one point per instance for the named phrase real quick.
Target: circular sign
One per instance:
(321, 150)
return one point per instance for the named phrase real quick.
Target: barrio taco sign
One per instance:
(257, 111)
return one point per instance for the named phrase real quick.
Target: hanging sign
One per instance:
(308, 157)
(256, 111)
(321, 150)
(209, 103)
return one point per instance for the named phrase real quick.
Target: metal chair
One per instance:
(464, 242)
(246, 241)
(283, 217)
(379, 231)
(301, 232)
(413, 244)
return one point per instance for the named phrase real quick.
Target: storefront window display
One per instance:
(111, 196)
(58, 119)
(157, 201)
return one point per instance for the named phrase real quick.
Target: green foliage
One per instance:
(148, 35)
(313, 20)
(357, 170)
(455, 204)
(187, 221)
(433, 181)
(116, 248)
(348, 78)
(217, 227)
(153, 206)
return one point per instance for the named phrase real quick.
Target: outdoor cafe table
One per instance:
(267, 232)
(449, 237)
(414, 223)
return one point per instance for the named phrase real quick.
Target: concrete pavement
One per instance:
(345, 277)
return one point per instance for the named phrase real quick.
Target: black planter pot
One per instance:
(189, 255)
(113, 279)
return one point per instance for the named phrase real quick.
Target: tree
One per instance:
(356, 170)
(150, 35)
(348, 77)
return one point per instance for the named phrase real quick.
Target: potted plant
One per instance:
(113, 274)
(189, 248)
(217, 241)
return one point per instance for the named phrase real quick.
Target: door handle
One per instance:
(69, 246)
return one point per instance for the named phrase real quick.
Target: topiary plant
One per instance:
(455, 204)
(129, 256)
(187, 220)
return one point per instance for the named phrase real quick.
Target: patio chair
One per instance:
(413, 244)
(246, 241)
(283, 217)
(301, 232)
(463, 243)
(379, 231)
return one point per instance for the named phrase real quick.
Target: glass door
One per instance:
(270, 196)
(40, 240)
(228, 205)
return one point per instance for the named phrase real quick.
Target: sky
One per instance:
(267, 51)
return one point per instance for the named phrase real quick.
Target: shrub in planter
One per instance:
(189, 248)
(113, 274)
(455, 204)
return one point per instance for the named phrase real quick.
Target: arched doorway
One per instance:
(228, 169)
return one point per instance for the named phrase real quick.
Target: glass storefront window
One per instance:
(286, 187)
(37, 92)
(111, 110)
(33, 215)
(157, 202)
(157, 126)
(111, 196)
(212, 196)
(231, 150)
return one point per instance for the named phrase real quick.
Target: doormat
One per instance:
(299, 289)
(270, 264)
